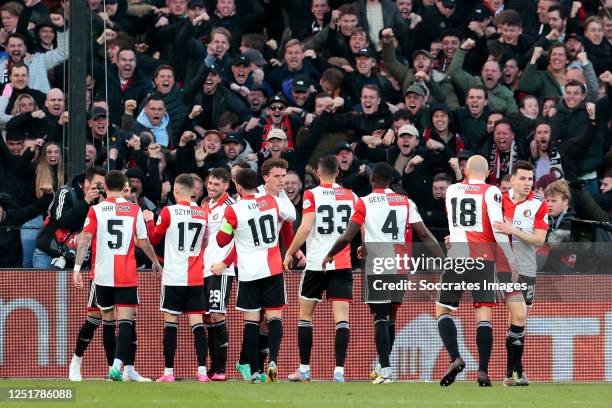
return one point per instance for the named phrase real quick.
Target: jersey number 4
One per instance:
(328, 218)
(464, 214)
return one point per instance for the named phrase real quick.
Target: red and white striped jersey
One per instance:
(333, 207)
(387, 216)
(213, 252)
(473, 207)
(528, 215)
(114, 223)
(184, 226)
(255, 221)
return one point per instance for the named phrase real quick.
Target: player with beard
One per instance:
(526, 224)
(218, 282)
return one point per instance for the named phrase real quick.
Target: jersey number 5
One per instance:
(466, 214)
(114, 228)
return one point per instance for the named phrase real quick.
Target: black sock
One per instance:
(391, 328)
(170, 338)
(250, 339)
(221, 346)
(86, 333)
(341, 342)
(509, 360)
(484, 340)
(131, 358)
(124, 338)
(516, 334)
(275, 336)
(381, 337)
(448, 334)
(243, 359)
(210, 332)
(305, 340)
(199, 342)
(263, 350)
(109, 340)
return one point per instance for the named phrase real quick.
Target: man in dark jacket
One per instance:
(236, 21)
(471, 120)
(167, 89)
(354, 174)
(46, 123)
(211, 99)
(124, 81)
(572, 119)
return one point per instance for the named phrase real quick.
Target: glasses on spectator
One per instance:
(277, 107)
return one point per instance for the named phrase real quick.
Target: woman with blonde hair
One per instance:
(23, 103)
(49, 171)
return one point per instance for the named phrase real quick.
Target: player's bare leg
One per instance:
(305, 333)
(86, 333)
(341, 340)
(515, 340)
(448, 334)
(484, 341)
(220, 343)
(125, 315)
(250, 340)
(274, 319)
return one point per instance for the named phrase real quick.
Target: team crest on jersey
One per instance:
(307, 203)
(216, 216)
(497, 198)
(526, 213)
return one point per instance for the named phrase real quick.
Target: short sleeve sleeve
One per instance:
(308, 202)
(359, 213)
(91, 222)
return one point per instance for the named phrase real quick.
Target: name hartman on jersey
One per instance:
(189, 211)
(118, 208)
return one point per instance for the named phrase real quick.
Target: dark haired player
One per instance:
(390, 218)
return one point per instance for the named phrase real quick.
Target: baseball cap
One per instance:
(276, 134)
(278, 98)
(98, 112)
(340, 147)
(301, 83)
(448, 3)
(409, 129)
(192, 4)
(135, 172)
(422, 52)
(241, 60)
(545, 180)
(574, 36)
(417, 89)
(481, 13)
(439, 106)
(366, 52)
(232, 138)
(215, 68)
(255, 57)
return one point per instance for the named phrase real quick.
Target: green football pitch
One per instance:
(316, 394)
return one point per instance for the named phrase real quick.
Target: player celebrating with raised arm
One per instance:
(113, 228)
(183, 225)
(472, 207)
(217, 287)
(388, 218)
(525, 221)
(254, 224)
(327, 210)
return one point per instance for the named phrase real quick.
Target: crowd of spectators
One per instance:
(185, 86)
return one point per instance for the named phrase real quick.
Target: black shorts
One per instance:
(267, 293)
(376, 288)
(482, 295)
(527, 286)
(182, 299)
(92, 303)
(337, 285)
(217, 290)
(108, 297)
